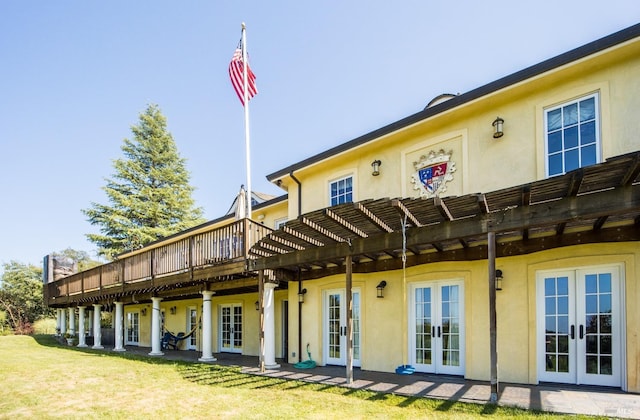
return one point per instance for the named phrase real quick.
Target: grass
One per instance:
(42, 379)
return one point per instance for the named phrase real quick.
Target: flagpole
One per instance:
(245, 83)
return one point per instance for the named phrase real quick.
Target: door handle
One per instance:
(573, 332)
(439, 332)
(581, 332)
(433, 331)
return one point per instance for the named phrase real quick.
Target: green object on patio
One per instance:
(307, 364)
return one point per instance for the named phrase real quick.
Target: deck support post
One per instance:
(59, 321)
(97, 331)
(207, 354)
(156, 350)
(118, 324)
(81, 331)
(269, 326)
(63, 321)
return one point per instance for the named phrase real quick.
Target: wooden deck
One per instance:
(211, 260)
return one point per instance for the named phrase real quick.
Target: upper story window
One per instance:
(572, 135)
(341, 191)
(279, 223)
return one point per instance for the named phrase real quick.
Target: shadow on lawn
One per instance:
(229, 376)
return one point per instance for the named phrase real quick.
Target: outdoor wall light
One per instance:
(173, 310)
(257, 305)
(498, 128)
(143, 311)
(498, 279)
(301, 295)
(380, 288)
(376, 167)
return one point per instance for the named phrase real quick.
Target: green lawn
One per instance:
(41, 379)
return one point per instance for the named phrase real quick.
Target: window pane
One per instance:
(550, 305)
(605, 283)
(570, 114)
(588, 133)
(588, 156)
(591, 283)
(563, 324)
(606, 365)
(588, 109)
(571, 160)
(555, 142)
(549, 286)
(550, 324)
(555, 164)
(554, 120)
(591, 304)
(605, 304)
(563, 286)
(571, 137)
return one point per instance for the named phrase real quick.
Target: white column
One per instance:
(155, 328)
(207, 338)
(118, 327)
(72, 321)
(97, 331)
(269, 327)
(59, 321)
(63, 322)
(81, 330)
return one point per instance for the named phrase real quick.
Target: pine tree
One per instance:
(149, 194)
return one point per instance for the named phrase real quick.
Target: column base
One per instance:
(156, 353)
(207, 359)
(272, 367)
(120, 349)
(82, 345)
(98, 347)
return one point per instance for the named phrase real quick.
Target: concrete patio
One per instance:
(559, 398)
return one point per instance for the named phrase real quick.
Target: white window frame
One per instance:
(596, 119)
(278, 223)
(338, 180)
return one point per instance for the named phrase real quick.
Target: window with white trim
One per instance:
(279, 223)
(341, 191)
(572, 135)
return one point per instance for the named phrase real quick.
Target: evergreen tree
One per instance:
(149, 194)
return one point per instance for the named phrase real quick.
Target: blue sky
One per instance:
(75, 75)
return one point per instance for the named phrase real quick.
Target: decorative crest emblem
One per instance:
(433, 171)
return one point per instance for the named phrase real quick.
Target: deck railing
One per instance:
(226, 244)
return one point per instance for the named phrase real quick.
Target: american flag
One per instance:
(236, 70)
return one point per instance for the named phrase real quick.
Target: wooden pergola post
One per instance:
(349, 296)
(493, 337)
(261, 306)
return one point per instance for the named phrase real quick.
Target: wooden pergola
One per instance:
(595, 204)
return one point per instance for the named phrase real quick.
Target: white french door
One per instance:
(192, 322)
(231, 328)
(133, 328)
(436, 327)
(335, 327)
(579, 326)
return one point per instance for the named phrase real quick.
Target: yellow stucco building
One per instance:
(494, 233)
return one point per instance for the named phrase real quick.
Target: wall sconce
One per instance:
(380, 287)
(497, 128)
(376, 167)
(498, 279)
(143, 311)
(172, 310)
(301, 295)
(257, 305)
